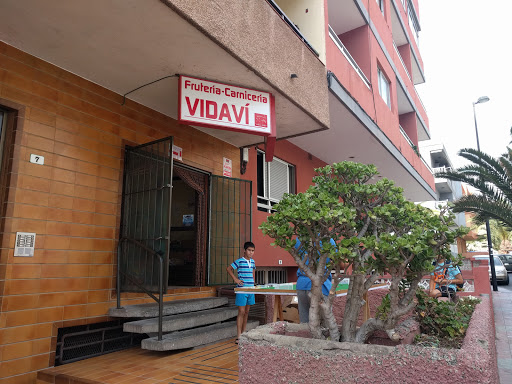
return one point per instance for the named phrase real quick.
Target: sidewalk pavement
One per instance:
(502, 303)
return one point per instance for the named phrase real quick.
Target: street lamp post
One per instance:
(485, 99)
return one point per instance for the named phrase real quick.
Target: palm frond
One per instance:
(484, 209)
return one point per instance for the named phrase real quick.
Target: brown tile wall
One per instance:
(72, 202)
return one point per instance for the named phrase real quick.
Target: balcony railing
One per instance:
(441, 180)
(441, 169)
(348, 56)
(419, 98)
(402, 60)
(415, 148)
(426, 165)
(407, 137)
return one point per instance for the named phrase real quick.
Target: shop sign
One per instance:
(216, 105)
(227, 167)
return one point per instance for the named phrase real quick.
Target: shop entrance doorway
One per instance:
(187, 251)
(179, 225)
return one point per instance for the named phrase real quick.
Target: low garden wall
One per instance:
(267, 355)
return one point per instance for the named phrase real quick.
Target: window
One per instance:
(274, 180)
(271, 276)
(384, 87)
(413, 23)
(381, 5)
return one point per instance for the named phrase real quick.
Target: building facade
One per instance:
(447, 191)
(89, 95)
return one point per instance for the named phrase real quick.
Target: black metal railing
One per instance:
(160, 299)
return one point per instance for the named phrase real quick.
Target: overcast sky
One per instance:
(466, 47)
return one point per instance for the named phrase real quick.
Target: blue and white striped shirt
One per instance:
(245, 270)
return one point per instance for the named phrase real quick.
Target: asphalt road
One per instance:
(506, 288)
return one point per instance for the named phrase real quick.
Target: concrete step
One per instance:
(170, 307)
(182, 321)
(195, 337)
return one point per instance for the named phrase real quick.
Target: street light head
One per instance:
(483, 99)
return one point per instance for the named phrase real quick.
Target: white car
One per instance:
(499, 268)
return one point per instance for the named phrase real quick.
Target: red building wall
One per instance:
(266, 255)
(368, 97)
(357, 41)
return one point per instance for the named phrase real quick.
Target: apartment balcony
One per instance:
(411, 103)
(401, 32)
(344, 16)
(363, 127)
(124, 45)
(443, 186)
(438, 158)
(355, 136)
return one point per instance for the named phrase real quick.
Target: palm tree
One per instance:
(500, 236)
(492, 178)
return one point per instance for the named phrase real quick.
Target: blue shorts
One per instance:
(243, 299)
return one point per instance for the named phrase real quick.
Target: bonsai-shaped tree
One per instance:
(376, 231)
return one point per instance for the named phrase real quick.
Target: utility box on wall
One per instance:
(25, 243)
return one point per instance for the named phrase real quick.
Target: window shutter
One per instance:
(277, 179)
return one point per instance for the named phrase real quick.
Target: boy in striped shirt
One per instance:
(245, 267)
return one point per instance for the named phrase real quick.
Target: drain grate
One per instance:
(85, 341)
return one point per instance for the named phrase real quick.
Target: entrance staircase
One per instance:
(185, 323)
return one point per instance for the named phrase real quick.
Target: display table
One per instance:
(290, 289)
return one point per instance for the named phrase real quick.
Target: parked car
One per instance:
(507, 261)
(501, 271)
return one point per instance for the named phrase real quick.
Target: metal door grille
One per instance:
(85, 341)
(230, 224)
(271, 276)
(145, 217)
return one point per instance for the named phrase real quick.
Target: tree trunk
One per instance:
(315, 310)
(352, 308)
(370, 326)
(330, 320)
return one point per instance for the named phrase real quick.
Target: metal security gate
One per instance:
(143, 253)
(230, 224)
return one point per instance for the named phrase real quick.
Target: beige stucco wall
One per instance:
(309, 17)
(254, 33)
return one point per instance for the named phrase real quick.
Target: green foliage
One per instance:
(375, 229)
(383, 309)
(499, 234)
(443, 320)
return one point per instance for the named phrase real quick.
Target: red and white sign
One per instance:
(177, 153)
(217, 105)
(227, 167)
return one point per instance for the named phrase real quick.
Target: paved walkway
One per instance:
(212, 364)
(218, 363)
(502, 302)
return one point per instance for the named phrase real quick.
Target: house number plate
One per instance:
(36, 159)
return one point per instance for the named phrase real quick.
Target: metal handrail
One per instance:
(406, 136)
(160, 299)
(441, 169)
(419, 98)
(402, 60)
(348, 56)
(426, 164)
